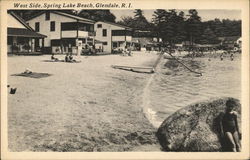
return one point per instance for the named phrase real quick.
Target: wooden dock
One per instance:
(135, 68)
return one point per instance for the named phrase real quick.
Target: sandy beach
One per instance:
(90, 106)
(87, 106)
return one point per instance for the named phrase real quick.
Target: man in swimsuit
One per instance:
(229, 126)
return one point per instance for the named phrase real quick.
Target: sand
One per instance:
(87, 106)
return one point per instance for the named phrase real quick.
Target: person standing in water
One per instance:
(232, 56)
(229, 127)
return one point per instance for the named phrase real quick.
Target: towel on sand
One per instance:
(33, 75)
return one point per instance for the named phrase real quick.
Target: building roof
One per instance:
(229, 38)
(139, 33)
(22, 21)
(74, 17)
(64, 14)
(22, 32)
(116, 24)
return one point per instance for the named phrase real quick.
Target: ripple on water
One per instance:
(172, 91)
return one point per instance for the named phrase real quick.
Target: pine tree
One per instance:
(98, 15)
(140, 22)
(159, 18)
(193, 25)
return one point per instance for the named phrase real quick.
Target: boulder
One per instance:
(195, 128)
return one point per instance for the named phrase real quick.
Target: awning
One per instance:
(23, 32)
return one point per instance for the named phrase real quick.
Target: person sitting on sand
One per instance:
(53, 58)
(229, 126)
(66, 58)
(71, 58)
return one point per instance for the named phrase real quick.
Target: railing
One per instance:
(91, 34)
(73, 33)
(69, 34)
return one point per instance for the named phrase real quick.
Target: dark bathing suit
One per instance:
(229, 123)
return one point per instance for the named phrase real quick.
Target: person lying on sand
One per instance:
(229, 127)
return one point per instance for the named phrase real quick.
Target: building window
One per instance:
(68, 26)
(37, 27)
(99, 25)
(115, 44)
(105, 43)
(52, 26)
(9, 40)
(47, 16)
(104, 32)
(91, 28)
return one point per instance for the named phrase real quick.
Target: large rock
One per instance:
(195, 127)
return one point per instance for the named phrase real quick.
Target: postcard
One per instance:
(125, 79)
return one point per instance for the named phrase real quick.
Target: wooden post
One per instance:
(12, 44)
(42, 45)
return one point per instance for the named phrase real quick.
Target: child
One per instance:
(229, 126)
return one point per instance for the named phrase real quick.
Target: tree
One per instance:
(159, 17)
(208, 37)
(193, 26)
(127, 21)
(98, 15)
(140, 22)
(25, 14)
(138, 14)
(170, 26)
(181, 34)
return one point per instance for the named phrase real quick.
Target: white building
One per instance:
(22, 39)
(63, 31)
(146, 40)
(112, 35)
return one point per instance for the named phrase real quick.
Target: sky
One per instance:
(204, 14)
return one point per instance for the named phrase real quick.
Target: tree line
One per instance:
(175, 27)
(171, 26)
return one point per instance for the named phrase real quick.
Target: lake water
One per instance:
(172, 88)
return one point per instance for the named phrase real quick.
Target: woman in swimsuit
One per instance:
(230, 128)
